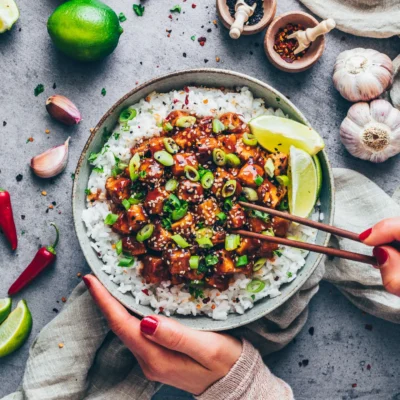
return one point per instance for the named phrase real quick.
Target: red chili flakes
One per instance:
(145, 291)
(175, 101)
(202, 40)
(170, 16)
(161, 309)
(194, 5)
(186, 89)
(368, 367)
(285, 47)
(63, 299)
(187, 99)
(354, 385)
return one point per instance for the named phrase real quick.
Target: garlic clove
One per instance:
(52, 162)
(63, 109)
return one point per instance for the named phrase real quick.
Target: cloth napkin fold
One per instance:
(95, 365)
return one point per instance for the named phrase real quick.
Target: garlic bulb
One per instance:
(52, 162)
(362, 74)
(372, 131)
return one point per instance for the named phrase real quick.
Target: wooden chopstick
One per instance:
(330, 251)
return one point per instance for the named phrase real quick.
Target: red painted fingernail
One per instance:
(87, 282)
(365, 234)
(381, 255)
(148, 325)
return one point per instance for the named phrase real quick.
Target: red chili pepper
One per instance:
(43, 258)
(7, 224)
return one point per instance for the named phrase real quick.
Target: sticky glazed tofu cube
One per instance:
(226, 265)
(154, 201)
(258, 225)
(191, 192)
(247, 246)
(154, 270)
(150, 171)
(184, 226)
(131, 246)
(204, 148)
(187, 137)
(244, 152)
(181, 160)
(173, 116)
(280, 161)
(248, 174)
(221, 176)
(218, 237)
(118, 189)
(266, 249)
(208, 210)
(160, 239)
(205, 124)
(177, 261)
(236, 217)
(234, 123)
(218, 282)
(121, 226)
(137, 217)
(156, 144)
(228, 143)
(269, 194)
(280, 226)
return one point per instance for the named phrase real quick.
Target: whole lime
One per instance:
(86, 30)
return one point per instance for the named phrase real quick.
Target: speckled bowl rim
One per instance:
(209, 324)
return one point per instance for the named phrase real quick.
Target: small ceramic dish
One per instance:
(227, 20)
(314, 52)
(209, 78)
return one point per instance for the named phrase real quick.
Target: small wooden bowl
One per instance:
(227, 20)
(313, 53)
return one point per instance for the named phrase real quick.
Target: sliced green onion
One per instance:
(219, 157)
(255, 286)
(192, 173)
(211, 259)
(258, 180)
(145, 233)
(217, 126)
(249, 139)
(269, 232)
(207, 180)
(269, 168)
(179, 212)
(170, 145)
(126, 262)
(283, 205)
(283, 180)
(168, 127)
(204, 242)
(242, 261)
(111, 219)
(204, 233)
(232, 160)
(134, 165)
(118, 247)
(174, 201)
(171, 185)
(259, 264)
(185, 122)
(232, 242)
(250, 194)
(229, 188)
(222, 216)
(137, 198)
(194, 262)
(126, 203)
(127, 115)
(228, 205)
(164, 158)
(180, 241)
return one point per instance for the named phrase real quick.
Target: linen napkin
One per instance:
(95, 365)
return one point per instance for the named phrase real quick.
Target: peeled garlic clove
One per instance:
(63, 109)
(362, 74)
(372, 131)
(52, 162)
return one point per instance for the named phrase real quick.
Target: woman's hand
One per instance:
(388, 258)
(167, 351)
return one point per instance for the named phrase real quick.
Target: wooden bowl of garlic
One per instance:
(276, 42)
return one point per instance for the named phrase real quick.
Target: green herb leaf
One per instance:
(193, 37)
(176, 8)
(142, 174)
(103, 92)
(72, 176)
(87, 191)
(116, 135)
(100, 169)
(260, 214)
(38, 89)
(166, 223)
(227, 205)
(121, 17)
(139, 9)
(277, 253)
(289, 274)
(211, 259)
(111, 219)
(93, 157)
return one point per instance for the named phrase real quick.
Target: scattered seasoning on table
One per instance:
(38, 89)
(176, 8)
(217, 59)
(193, 37)
(368, 327)
(139, 9)
(184, 55)
(47, 131)
(202, 40)
(44, 193)
(311, 331)
(4, 123)
(54, 85)
(215, 22)
(205, 61)
(194, 5)
(368, 367)
(285, 47)
(354, 385)
(103, 92)
(22, 216)
(19, 177)
(78, 274)
(60, 345)
(121, 17)
(209, 30)
(55, 310)
(63, 299)
(258, 12)
(51, 207)
(30, 139)
(72, 176)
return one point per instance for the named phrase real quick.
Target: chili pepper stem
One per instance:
(52, 248)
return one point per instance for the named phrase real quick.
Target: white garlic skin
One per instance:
(362, 74)
(52, 162)
(372, 131)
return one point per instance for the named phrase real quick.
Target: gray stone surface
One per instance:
(341, 347)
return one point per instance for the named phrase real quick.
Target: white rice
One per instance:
(166, 298)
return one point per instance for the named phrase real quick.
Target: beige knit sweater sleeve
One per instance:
(249, 379)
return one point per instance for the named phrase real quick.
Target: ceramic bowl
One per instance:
(313, 53)
(208, 78)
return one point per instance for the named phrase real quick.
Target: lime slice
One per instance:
(15, 329)
(278, 134)
(319, 174)
(303, 183)
(5, 308)
(9, 14)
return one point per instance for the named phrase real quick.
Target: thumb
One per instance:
(389, 265)
(207, 348)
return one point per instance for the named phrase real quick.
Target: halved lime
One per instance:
(278, 134)
(9, 14)
(15, 329)
(319, 174)
(5, 308)
(303, 186)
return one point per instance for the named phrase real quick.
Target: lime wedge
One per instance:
(15, 329)
(303, 183)
(5, 308)
(278, 134)
(319, 174)
(9, 14)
